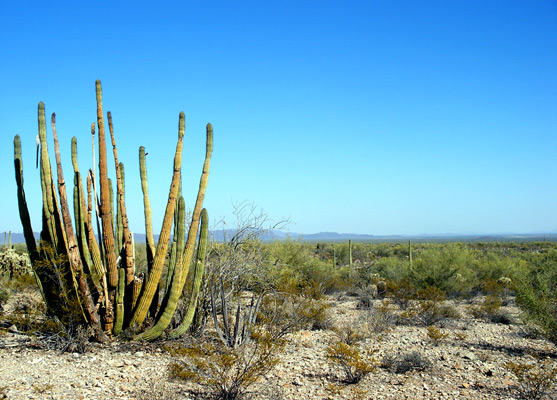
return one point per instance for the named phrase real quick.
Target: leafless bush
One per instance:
(402, 363)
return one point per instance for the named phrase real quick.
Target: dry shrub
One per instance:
(429, 308)
(403, 363)
(226, 372)
(436, 335)
(350, 361)
(490, 310)
(535, 380)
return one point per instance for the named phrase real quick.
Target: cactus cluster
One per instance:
(13, 264)
(86, 267)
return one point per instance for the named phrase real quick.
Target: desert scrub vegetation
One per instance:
(534, 379)
(228, 372)
(350, 360)
(402, 363)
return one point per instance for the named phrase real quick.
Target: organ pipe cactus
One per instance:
(119, 298)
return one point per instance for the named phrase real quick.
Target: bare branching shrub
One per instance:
(348, 358)
(285, 313)
(402, 363)
(535, 380)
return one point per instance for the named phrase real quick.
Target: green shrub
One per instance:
(448, 268)
(535, 293)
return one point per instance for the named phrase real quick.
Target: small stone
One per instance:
(470, 356)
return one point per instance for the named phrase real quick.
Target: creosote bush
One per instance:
(350, 360)
(228, 373)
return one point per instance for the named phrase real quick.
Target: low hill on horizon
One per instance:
(273, 235)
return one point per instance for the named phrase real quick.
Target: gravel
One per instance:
(468, 364)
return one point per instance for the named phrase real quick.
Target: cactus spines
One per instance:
(197, 277)
(153, 279)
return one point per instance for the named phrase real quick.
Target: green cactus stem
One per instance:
(197, 277)
(80, 218)
(171, 298)
(152, 284)
(181, 274)
(119, 306)
(137, 285)
(178, 242)
(126, 239)
(194, 225)
(149, 239)
(26, 220)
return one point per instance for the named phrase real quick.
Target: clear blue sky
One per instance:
(379, 117)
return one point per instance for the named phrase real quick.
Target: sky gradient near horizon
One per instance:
(377, 117)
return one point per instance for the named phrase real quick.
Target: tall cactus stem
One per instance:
(152, 283)
(171, 298)
(197, 277)
(119, 306)
(350, 253)
(25, 218)
(107, 231)
(194, 225)
(123, 224)
(74, 256)
(149, 239)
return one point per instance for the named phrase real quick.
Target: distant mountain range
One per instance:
(272, 235)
